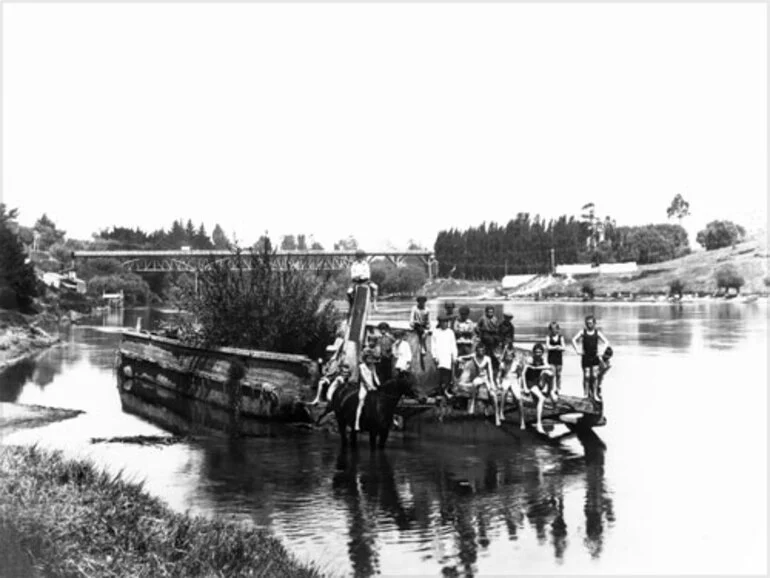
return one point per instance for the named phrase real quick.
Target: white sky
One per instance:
(384, 121)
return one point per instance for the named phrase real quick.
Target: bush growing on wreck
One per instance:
(249, 301)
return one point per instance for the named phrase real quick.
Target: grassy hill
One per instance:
(697, 271)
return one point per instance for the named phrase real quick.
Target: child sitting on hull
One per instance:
(478, 374)
(537, 379)
(360, 274)
(368, 381)
(509, 381)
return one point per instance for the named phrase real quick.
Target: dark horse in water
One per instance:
(378, 411)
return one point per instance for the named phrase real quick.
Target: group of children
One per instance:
(476, 354)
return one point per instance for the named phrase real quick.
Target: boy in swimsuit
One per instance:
(478, 374)
(537, 379)
(589, 338)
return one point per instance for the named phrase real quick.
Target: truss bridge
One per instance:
(194, 261)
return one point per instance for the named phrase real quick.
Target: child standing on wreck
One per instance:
(419, 321)
(589, 338)
(554, 345)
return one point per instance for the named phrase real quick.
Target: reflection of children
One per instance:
(554, 345)
(590, 362)
(419, 321)
(538, 380)
(368, 381)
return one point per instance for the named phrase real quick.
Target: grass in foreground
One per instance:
(77, 521)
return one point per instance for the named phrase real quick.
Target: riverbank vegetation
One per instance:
(70, 519)
(251, 301)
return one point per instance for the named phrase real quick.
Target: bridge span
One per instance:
(192, 261)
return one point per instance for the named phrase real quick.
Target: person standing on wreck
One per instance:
(419, 321)
(488, 329)
(589, 338)
(368, 381)
(444, 350)
(360, 274)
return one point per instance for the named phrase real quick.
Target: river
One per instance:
(680, 488)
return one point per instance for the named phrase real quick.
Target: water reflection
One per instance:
(465, 509)
(460, 499)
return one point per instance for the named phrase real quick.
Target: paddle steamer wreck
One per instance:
(241, 391)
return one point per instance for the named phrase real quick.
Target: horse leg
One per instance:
(353, 438)
(343, 431)
(372, 440)
(384, 437)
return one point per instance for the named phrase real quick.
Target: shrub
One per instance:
(587, 289)
(676, 288)
(718, 234)
(16, 275)
(248, 302)
(727, 277)
(135, 289)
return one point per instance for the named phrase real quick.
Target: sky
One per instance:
(385, 121)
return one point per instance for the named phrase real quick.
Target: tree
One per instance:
(301, 243)
(718, 234)
(18, 284)
(263, 244)
(201, 239)
(413, 245)
(727, 277)
(349, 244)
(46, 233)
(679, 208)
(288, 243)
(221, 241)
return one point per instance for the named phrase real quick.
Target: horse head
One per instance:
(403, 385)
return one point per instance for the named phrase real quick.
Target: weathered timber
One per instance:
(255, 383)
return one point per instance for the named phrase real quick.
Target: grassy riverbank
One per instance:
(73, 520)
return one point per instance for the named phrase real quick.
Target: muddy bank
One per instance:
(24, 336)
(16, 416)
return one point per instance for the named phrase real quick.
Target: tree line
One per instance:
(528, 245)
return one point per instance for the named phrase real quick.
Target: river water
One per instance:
(681, 486)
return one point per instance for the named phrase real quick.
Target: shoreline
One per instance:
(22, 340)
(66, 517)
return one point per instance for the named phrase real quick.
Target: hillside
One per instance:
(696, 271)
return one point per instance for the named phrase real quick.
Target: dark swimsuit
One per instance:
(590, 350)
(554, 355)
